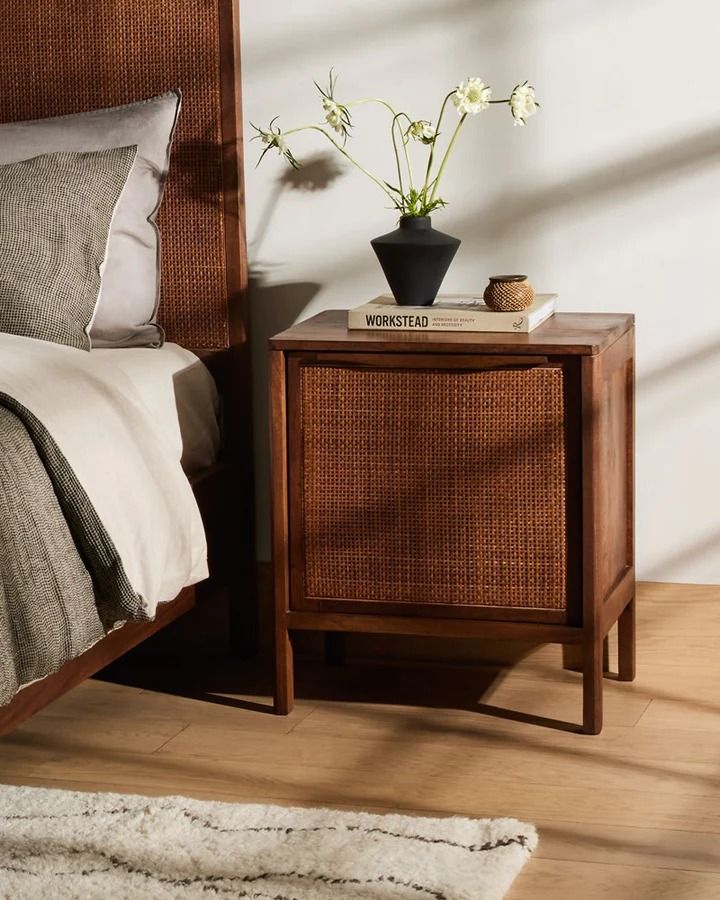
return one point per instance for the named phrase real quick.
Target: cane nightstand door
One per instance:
(433, 485)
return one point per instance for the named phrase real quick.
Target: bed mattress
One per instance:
(180, 394)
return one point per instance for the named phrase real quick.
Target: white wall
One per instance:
(610, 196)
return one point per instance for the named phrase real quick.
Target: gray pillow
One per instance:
(55, 217)
(130, 286)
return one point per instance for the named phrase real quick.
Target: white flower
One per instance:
(472, 96)
(274, 139)
(522, 103)
(337, 116)
(333, 115)
(421, 131)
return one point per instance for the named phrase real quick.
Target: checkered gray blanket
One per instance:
(62, 583)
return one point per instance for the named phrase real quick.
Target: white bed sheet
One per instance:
(118, 452)
(180, 394)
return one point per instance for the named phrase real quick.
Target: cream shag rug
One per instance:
(58, 844)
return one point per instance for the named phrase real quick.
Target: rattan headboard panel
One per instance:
(64, 56)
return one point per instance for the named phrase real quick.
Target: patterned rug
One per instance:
(92, 846)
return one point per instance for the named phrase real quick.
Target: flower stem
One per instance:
(396, 116)
(397, 155)
(436, 181)
(366, 100)
(432, 146)
(408, 165)
(378, 182)
(405, 148)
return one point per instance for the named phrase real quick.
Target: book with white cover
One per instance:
(450, 312)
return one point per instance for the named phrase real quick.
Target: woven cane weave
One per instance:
(509, 296)
(75, 55)
(434, 486)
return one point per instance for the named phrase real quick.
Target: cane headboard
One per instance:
(65, 56)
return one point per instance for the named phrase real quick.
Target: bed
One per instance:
(64, 58)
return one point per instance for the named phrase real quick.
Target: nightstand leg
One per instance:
(606, 655)
(626, 643)
(284, 680)
(593, 686)
(572, 657)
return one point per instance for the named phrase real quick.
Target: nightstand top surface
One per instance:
(564, 333)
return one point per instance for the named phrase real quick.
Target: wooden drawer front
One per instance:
(430, 486)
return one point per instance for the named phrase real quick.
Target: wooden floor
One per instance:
(633, 813)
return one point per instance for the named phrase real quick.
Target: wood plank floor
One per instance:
(632, 813)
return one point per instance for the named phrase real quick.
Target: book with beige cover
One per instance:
(450, 312)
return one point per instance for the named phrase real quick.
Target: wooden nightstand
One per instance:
(456, 484)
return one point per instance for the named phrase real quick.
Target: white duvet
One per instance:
(129, 470)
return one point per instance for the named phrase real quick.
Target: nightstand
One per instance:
(456, 484)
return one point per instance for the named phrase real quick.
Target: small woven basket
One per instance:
(509, 293)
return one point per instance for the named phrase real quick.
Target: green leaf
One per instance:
(262, 155)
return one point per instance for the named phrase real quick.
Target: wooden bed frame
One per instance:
(76, 55)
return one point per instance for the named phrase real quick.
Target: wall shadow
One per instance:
(317, 173)
(709, 545)
(624, 177)
(343, 35)
(273, 308)
(679, 365)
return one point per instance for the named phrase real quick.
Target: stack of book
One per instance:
(450, 312)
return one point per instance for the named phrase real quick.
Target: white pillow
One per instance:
(127, 306)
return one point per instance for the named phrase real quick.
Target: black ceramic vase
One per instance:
(415, 259)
